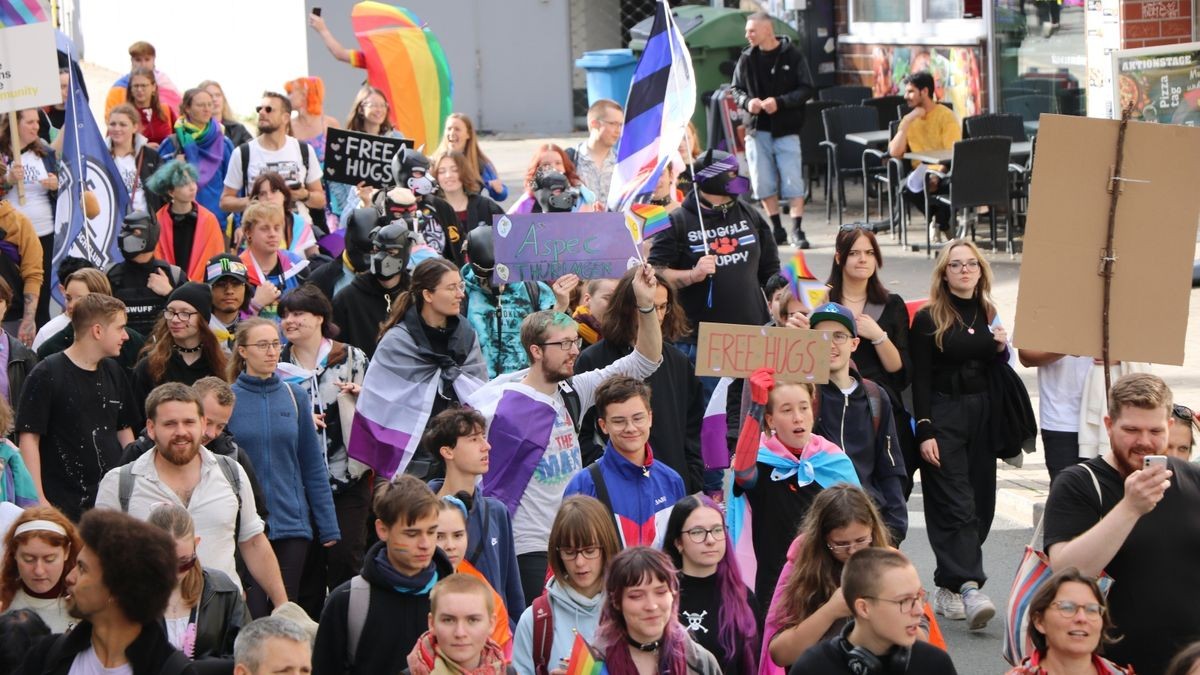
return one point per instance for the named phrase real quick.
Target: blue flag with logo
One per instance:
(86, 165)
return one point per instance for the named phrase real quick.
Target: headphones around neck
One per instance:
(861, 661)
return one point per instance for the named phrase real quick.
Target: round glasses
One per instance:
(699, 534)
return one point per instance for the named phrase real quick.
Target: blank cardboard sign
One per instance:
(1060, 299)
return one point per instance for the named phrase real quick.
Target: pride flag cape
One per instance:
(584, 660)
(520, 420)
(803, 283)
(405, 60)
(662, 97)
(714, 426)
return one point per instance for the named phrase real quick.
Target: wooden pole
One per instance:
(16, 155)
(1108, 258)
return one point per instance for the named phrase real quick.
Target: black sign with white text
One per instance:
(352, 157)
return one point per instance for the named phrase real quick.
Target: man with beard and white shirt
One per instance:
(273, 150)
(533, 421)
(1135, 521)
(181, 471)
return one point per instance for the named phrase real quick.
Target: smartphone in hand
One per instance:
(316, 11)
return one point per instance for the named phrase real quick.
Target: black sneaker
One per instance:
(780, 235)
(801, 242)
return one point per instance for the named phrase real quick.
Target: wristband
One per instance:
(882, 339)
(255, 308)
(924, 420)
(646, 310)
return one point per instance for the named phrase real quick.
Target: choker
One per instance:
(648, 647)
(187, 350)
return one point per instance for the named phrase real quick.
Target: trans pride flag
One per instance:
(662, 98)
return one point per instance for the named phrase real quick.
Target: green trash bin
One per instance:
(715, 36)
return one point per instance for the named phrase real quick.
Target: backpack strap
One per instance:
(602, 493)
(543, 633)
(244, 156)
(573, 154)
(875, 400)
(477, 549)
(534, 290)
(229, 468)
(125, 486)
(571, 401)
(356, 614)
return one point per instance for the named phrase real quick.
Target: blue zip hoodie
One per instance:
(642, 496)
(277, 432)
(497, 559)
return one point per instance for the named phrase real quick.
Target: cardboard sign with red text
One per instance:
(733, 350)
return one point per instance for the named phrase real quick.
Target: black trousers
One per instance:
(941, 211)
(960, 496)
(532, 567)
(1062, 450)
(327, 568)
(292, 554)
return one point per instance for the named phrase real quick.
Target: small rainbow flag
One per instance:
(654, 219)
(583, 659)
(803, 283)
(20, 13)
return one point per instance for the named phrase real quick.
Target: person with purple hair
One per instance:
(719, 610)
(639, 628)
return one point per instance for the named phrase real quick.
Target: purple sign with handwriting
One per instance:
(545, 246)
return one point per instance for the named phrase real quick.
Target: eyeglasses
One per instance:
(588, 553)
(840, 338)
(565, 345)
(264, 109)
(856, 545)
(622, 423)
(171, 314)
(460, 286)
(699, 534)
(1183, 412)
(956, 265)
(140, 86)
(906, 604)
(263, 346)
(367, 105)
(1067, 608)
(618, 124)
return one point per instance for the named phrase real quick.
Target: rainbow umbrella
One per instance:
(405, 60)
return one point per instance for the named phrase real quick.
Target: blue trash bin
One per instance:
(609, 72)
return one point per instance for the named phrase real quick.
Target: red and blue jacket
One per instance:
(642, 496)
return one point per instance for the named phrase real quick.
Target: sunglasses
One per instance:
(1183, 412)
(264, 108)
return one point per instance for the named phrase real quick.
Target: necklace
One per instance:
(971, 326)
(648, 647)
(187, 350)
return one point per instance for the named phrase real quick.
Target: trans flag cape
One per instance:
(821, 462)
(399, 390)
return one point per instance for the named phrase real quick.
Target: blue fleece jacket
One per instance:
(497, 559)
(642, 496)
(276, 430)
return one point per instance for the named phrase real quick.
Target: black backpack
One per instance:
(320, 229)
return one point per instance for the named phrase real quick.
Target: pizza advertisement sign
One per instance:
(1161, 83)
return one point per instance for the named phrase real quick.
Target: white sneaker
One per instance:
(950, 604)
(978, 608)
(936, 234)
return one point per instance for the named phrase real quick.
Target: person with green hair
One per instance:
(190, 233)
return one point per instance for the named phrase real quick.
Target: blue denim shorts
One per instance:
(775, 166)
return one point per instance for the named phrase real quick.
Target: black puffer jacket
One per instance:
(791, 86)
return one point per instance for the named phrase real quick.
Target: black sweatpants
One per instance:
(1062, 450)
(532, 567)
(292, 554)
(960, 496)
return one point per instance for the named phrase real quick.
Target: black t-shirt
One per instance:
(778, 507)
(1154, 600)
(77, 413)
(827, 658)
(184, 233)
(764, 63)
(699, 612)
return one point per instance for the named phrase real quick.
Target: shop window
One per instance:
(882, 11)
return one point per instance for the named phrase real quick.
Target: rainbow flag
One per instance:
(20, 12)
(405, 60)
(584, 660)
(654, 219)
(803, 283)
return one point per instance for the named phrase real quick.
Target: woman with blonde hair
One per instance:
(271, 268)
(235, 131)
(459, 136)
(206, 610)
(39, 552)
(955, 342)
(460, 186)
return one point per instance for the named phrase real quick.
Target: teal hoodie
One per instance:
(500, 337)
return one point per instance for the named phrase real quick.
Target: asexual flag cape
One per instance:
(86, 165)
(662, 97)
(397, 396)
(520, 420)
(714, 447)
